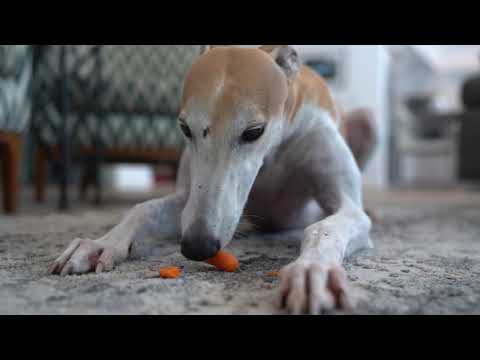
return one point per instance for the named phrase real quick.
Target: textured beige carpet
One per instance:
(426, 261)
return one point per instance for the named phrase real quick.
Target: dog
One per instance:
(265, 141)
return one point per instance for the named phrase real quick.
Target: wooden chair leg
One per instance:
(86, 178)
(84, 182)
(96, 164)
(63, 174)
(97, 201)
(40, 173)
(11, 149)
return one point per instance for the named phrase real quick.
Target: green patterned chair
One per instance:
(107, 103)
(15, 107)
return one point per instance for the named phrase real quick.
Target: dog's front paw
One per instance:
(84, 256)
(309, 287)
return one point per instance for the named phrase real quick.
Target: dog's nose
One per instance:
(198, 244)
(200, 248)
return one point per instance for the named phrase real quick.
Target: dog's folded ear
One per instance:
(206, 48)
(285, 56)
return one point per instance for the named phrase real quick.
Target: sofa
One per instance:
(95, 104)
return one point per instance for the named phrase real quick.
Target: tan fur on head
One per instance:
(227, 80)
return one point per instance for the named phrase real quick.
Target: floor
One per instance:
(426, 261)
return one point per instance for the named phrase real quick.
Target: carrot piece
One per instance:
(225, 262)
(173, 272)
(272, 274)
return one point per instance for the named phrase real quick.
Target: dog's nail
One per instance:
(100, 268)
(67, 270)
(52, 269)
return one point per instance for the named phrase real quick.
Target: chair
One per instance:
(15, 109)
(106, 103)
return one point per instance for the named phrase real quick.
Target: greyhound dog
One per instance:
(265, 140)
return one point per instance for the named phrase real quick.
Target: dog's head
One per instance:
(232, 113)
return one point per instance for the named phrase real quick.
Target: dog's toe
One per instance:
(311, 288)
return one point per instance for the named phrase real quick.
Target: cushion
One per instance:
(133, 78)
(137, 104)
(15, 99)
(114, 131)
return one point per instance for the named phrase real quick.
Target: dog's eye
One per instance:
(186, 131)
(253, 134)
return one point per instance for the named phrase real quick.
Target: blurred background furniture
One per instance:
(15, 106)
(443, 146)
(470, 130)
(428, 143)
(99, 104)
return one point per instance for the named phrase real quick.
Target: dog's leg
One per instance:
(159, 218)
(316, 281)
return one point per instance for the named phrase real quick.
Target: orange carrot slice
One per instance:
(173, 272)
(272, 274)
(225, 262)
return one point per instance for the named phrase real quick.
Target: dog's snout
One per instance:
(198, 244)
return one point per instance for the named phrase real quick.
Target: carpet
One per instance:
(426, 261)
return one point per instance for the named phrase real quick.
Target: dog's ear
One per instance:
(206, 48)
(285, 56)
